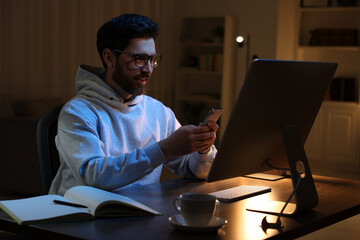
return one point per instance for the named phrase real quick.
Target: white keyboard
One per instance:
(240, 192)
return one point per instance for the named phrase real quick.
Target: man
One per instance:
(111, 135)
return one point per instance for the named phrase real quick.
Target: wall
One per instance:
(44, 41)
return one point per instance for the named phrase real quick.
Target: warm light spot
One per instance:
(239, 39)
(252, 220)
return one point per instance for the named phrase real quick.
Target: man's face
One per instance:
(126, 74)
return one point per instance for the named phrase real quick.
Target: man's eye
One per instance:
(141, 57)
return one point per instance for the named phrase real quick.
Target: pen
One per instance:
(69, 204)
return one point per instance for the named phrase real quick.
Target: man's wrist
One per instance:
(164, 150)
(204, 152)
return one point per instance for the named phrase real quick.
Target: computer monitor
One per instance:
(270, 122)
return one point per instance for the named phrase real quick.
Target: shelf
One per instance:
(331, 48)
(340, 104)
(204, 75)
(329, 9)
(347, 56)
(332, 24)
(335, 133)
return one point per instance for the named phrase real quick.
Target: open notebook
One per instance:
(97, 203)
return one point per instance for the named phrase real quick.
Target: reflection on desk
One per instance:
(339, 199)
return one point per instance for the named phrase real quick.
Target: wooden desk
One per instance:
(339, 199)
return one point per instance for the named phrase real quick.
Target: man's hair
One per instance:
(117, 33)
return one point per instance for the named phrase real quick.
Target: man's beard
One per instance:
(134, 90)
(130, 85)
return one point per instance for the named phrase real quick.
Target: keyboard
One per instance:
(240, 192)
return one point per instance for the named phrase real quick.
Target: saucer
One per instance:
(179, 223)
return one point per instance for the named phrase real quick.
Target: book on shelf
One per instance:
(334, 37)
(314, 3)
(211, 62)
(83, 202)
(343, 89)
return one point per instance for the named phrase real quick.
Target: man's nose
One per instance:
(148, 68)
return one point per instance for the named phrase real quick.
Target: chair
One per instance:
(48, 155)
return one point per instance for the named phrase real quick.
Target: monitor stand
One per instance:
(306, 196)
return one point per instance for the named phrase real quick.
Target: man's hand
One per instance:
(189, 139)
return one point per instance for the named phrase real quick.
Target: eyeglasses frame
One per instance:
(134, 56)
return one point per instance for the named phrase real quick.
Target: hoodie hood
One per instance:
(89, 83)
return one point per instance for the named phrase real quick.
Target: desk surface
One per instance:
(338, 200)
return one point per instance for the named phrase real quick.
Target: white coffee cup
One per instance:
(197, 209)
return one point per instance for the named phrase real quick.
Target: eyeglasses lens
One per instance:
(142, 60)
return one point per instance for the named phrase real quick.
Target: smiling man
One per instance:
(112, 135)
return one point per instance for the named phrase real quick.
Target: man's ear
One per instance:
(108, 58)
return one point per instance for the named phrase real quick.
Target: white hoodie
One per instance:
(106, 143)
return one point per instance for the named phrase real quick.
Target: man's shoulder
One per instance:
(78, 105)
(152, 101)
(78, 101)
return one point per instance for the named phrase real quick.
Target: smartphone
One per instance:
(213, 116)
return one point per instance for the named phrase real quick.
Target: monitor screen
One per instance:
(275, 93)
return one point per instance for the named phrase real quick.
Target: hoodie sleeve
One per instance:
(195, 165)
(82, 151)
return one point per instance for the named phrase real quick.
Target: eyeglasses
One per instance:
(142, 59)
